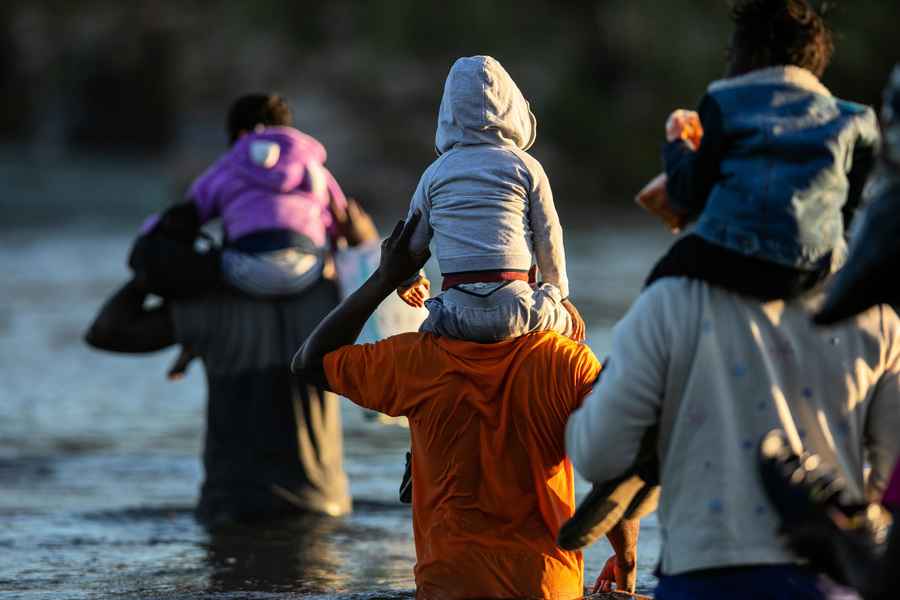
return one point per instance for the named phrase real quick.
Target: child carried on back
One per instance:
(277, 202)
(487, 203)
(772, 166)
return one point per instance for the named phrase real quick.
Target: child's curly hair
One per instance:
(779, 32)
(256, 109)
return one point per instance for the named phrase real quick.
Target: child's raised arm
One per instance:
(691, 173)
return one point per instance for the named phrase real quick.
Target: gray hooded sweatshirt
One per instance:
(486, 202)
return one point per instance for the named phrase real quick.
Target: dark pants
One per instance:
(771, 582)
(694, 257)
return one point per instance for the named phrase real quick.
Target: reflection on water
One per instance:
(99, 454)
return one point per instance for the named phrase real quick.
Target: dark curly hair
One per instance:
(778, 32)
(256, 109)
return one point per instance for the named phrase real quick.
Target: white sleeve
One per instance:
(603, 437)
(546, 231)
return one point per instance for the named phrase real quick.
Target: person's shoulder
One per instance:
(558, 348)
(522, 157)
(673, 291)
(403, 342)
(857, 109)
(220, 166)
(432, 171)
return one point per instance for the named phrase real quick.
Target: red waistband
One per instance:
(454, 279)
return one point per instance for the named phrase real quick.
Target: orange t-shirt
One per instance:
(491, 481)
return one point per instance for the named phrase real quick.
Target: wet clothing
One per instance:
(781, 167)
(492, 312)
(772, 582)
(270, 179)
(716, 371)
(694, 257)
(273, 443)
(491, 481)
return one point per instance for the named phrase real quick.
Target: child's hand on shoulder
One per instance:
(684, 125)
(416, 293)
(578, 328)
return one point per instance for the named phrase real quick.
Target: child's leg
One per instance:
(272, 274)
(493, 312)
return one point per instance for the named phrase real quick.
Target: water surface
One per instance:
(99, 454)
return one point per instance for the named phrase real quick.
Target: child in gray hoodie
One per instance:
(487, 203)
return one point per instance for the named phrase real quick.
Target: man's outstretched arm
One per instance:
(343, 324)
(124, 325)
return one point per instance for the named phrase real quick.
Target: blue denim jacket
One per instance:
(781, 167)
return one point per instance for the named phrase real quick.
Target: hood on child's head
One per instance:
(276, 157)
(483, 105)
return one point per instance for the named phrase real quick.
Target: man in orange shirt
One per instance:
(491, 481)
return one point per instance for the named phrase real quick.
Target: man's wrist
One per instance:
(384, 283)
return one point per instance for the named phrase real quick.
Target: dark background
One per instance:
(110, 108)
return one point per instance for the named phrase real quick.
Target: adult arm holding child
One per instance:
(414, 290)
(343, 324)
(691, 170)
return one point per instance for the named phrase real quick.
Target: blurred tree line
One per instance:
(153, 79)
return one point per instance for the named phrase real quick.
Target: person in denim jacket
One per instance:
(781, 165)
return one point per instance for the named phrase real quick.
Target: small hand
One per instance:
(684, 125)
(416, 294)
(577, 322)
(398, 263)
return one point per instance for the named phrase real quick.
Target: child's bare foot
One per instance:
(179, 368)
(416, 294)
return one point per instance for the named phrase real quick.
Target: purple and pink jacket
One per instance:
(274, 179)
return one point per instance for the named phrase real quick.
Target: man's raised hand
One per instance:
(398, 263)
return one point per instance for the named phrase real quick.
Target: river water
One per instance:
(99, 453)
